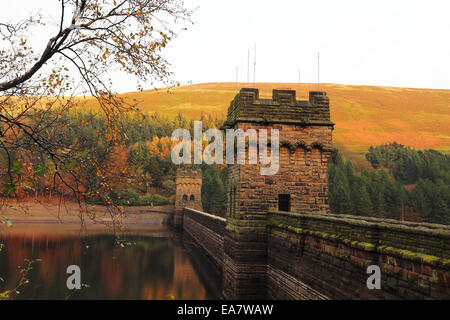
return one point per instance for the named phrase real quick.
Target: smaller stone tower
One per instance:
(188, 192)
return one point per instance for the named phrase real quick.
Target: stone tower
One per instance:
(188, 192)
(301, 183)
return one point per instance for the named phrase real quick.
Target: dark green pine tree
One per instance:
(350, 173)
(361, 200)
(217, 200)
(440, 203)
(154, 169)
(339, 194)
(420, 201)
(379, 205)
(375, 189)
(213, 191)
(440, 213)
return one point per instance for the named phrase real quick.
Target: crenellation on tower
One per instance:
(284, 96)
(247, 107)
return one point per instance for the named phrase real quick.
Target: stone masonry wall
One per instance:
(303, 169)
(325, 256)
(208, 231)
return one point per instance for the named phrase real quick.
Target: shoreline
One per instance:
(24, 213)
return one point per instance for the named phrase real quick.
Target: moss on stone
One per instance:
(369, 233)
(415, 256)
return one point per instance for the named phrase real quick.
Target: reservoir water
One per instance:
(149, 262)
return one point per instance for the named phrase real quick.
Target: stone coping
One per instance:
(407, 226)
(208, 215)
(441, 232)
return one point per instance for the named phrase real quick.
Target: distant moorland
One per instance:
(382, 166)
(364, 115)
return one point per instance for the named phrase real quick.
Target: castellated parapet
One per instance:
(282, 108)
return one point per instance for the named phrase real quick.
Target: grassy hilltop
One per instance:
(364, 115)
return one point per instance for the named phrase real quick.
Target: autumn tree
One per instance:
(90, 38)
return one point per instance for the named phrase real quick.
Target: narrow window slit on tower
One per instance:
(231, 201)
(284, 202)
(234, 201)
(192, 198)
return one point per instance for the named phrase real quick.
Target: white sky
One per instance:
(403, 43)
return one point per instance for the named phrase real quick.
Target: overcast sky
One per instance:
(403, 43)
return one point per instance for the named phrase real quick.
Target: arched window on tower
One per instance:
(185, 197)
(192, 198)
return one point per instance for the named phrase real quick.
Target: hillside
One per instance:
(364, 115)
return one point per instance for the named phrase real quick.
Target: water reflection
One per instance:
(155, 266)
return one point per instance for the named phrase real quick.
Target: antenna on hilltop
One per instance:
(248, 67)
(237, 78)
(318, 70)
(254, 69)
